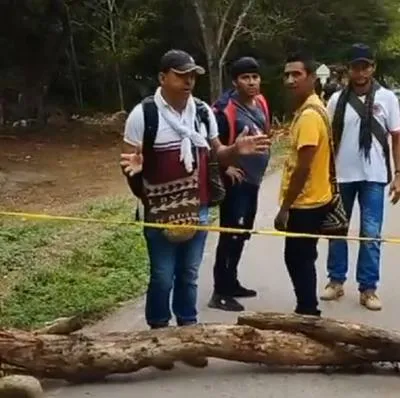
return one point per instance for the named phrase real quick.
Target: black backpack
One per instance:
(150, 113)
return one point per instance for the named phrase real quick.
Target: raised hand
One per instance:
(132, 163)
(248, 144)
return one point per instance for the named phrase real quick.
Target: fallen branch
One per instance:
(80, 357)
(271, 339)
(62, 326)
(325, 329)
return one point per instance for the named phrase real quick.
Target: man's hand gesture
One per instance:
(248, 144)
(132, 163)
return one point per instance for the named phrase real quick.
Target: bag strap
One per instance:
(377, 130)
(202, 115)
(332, 166)
(263, 103)
(150, 114)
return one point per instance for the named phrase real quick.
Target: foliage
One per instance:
(53, 269)
(119, 46)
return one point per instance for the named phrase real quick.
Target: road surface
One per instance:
(261, 268)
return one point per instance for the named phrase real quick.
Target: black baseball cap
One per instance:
(361, 52)
(179, 61)
(244, 65)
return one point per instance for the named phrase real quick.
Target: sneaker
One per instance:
(332, 291)
(242, 292)
(225, 303)
(370, 300)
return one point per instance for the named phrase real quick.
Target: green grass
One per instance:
(50, 269)
(54, 269)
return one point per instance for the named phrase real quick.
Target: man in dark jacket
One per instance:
(237, 109)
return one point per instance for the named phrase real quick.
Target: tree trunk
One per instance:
(119, 86)
(75, 73)
(215, 79)
(211, 48)
(215, 48)
(111, 13)
(80, 357)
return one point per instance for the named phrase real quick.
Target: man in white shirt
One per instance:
(363, 115)
(167, 142)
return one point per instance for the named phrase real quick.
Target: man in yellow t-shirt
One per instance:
(306, 189)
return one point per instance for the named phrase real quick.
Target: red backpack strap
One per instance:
(264, 105)
(230, 114)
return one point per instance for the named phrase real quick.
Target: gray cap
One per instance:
(179, 61)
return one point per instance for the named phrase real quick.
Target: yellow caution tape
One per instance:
(207, 228)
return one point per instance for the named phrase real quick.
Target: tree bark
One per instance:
(325, 330)
(211, 48)
(111, 11)
(80, 357)
(215, 48)
(74, 66)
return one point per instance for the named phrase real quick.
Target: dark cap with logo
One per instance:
(361, 53)
(244, 65)
(179, 61)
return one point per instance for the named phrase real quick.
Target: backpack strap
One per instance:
(202, 115)
(332, 166)
(230, 112)
(150, 114)
(262, 101)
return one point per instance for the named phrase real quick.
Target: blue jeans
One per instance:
(371, 201)
(173, 266)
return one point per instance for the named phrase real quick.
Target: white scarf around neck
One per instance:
(188, 134)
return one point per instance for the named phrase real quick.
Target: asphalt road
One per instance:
(262, 268)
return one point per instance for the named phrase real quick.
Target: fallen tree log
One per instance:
(79, 357)
(325, 329)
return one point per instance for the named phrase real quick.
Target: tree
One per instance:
(214, 18)
(223, 22)
(73, 51)
(116, 24)
(389, 47)
(40, 33)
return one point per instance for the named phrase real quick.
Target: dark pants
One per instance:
(301, 255)
(371, 199)
(238, 210)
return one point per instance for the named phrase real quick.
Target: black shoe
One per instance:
(311, 312)
(161, 326)
(225, 303)
(242, 292)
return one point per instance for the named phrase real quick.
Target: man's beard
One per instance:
(360, 85)
(293, 101)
